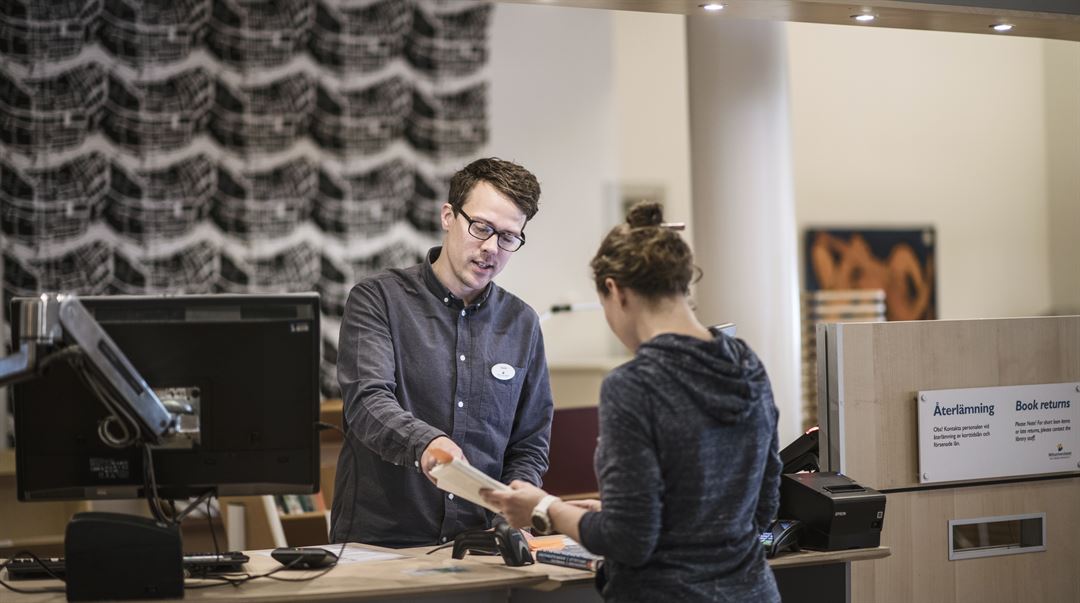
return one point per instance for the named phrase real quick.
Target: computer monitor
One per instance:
(250, 362)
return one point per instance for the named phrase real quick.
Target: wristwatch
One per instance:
(541, 521)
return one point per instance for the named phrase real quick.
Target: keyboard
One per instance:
(196, 564)
(25, 568)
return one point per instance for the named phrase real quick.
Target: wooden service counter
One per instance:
(805, 576)
(417, 576)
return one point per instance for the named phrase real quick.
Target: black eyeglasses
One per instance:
(480, 230)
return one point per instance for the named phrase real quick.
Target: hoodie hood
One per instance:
(726, 378)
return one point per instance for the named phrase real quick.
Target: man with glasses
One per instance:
(437, 357)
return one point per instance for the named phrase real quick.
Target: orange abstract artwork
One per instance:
(900, 262)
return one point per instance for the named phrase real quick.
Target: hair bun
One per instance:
(645, 213)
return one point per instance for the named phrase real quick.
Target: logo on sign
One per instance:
(1060, 454)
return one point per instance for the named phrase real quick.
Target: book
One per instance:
(292, 504)
(553, 541)
(320, 502)
(462, 479)
(570, 554)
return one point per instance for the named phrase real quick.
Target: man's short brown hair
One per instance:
(509, 178)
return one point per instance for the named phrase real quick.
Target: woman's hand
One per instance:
(589, 504)
(516, 504)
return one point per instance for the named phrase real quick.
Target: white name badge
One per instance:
(503, 371)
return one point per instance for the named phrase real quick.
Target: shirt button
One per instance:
(443, 539)
(463, 312)
(460, 404)
(450, 496)
(461, 357)
(417, 463)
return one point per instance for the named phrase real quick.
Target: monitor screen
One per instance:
(250, 362)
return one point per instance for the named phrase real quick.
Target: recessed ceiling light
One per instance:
(864, 17)
(712, 6)
(1002, 27)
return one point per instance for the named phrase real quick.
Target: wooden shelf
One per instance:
(32, 541)
(196, 534)
(306, 529)
(302, 516)
(330, 412)
(581, 496)
(50, 545)
(7, 463)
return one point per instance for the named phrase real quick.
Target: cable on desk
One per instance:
(237, 582)
(210, 524)
(440, 547)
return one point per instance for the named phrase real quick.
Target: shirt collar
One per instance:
(439, 290)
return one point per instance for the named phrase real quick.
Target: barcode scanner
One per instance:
(500, 540)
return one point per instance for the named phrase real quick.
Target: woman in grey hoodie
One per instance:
(687, 460)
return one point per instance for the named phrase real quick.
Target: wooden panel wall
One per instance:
(916, 531)
(880, 368)
(883, 365)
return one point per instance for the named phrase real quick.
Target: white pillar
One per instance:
(743, 205)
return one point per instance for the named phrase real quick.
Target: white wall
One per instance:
(744, 215)
(1062, 123)
(901, 127)
(651, 107)
(978, 135)
(590, 101)
(552, 110)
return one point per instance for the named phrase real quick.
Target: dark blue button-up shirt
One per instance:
(415, 363)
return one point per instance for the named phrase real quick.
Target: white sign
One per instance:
(989, 432)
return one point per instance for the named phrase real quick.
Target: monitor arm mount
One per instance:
(54, 326)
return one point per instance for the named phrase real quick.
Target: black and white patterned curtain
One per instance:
(240, 146)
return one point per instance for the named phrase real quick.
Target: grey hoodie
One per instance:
(689, 473)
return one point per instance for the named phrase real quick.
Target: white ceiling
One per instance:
(1056, 19)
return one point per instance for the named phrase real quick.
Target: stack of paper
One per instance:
(462, 479)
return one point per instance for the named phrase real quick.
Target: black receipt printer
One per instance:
(836, 512)
(111, 556)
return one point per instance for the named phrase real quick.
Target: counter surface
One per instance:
(416, 574)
